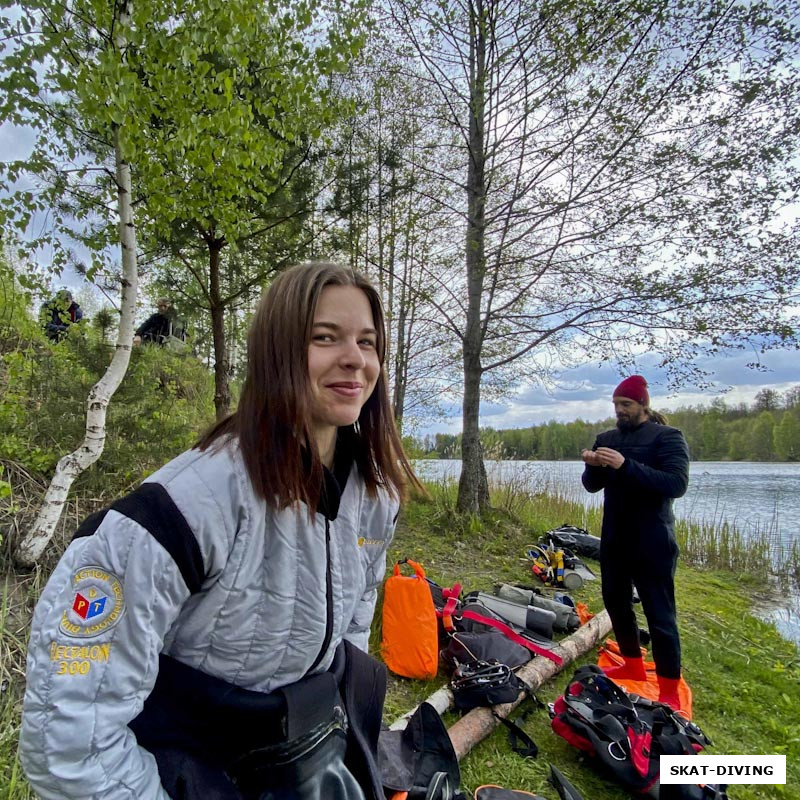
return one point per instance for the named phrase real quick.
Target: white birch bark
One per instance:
(71, 465)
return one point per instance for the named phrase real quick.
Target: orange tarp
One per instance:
(610, 657)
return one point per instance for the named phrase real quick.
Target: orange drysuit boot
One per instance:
(668, 692)
(632, 670)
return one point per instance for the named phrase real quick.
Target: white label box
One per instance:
(723, 769)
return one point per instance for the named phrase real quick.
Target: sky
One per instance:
(580, 393)
(585, 392)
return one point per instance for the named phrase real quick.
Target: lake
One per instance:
(754, 497)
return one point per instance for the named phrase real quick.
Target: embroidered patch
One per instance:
(362, 540)
(97, 603)
(78, 659)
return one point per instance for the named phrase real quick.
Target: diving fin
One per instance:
(566, 791)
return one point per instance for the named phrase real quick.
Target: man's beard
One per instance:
(626, 424)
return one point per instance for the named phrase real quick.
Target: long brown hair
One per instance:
(273, 418)
(655, 416)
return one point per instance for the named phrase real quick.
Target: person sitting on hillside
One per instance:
(58, 314)
(158, 327)
(206, 637)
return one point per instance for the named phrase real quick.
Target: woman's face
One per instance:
(343, 363)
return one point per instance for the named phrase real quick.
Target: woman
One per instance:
(204, 637)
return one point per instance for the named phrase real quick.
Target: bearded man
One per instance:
(642, 465)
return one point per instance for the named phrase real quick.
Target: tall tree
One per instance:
(226, 166)
(767, 400)
(383, 219)
(791, 398)
(624, 170)
(199, 102)
(217, 269)
(762, 437)
(64, 39)
(786, 436)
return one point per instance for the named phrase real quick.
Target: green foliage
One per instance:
(741, 433)
(786, 438)
(42, 386)
(207, 99)
(44, 390)
(162, 405)
(158, 411)
(714, 433)
(17, 326)
(411, 447)
(104, 321)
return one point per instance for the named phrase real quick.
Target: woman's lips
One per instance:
(346, 389)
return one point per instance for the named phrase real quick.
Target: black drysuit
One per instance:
(156, 328)
(638, 545)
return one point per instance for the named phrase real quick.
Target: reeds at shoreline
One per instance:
(714, 543)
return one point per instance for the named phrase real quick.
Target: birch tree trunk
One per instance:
(70, 466)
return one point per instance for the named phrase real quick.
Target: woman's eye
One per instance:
(322, 337)
(367, 343)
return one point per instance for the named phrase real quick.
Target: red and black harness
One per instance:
(626, 735)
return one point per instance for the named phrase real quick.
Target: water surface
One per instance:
(756, 498)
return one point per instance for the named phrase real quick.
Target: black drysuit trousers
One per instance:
(651, 569)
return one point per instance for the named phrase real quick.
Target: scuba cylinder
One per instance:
(516, 594)
(566, 617)
(571, 579)
(538, 620)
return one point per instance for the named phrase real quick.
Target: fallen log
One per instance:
(534, 673)
(480, 722)
(441, 700)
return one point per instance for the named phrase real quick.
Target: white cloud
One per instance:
(16, 142)
(585, 392)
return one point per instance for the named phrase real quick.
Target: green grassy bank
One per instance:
(745, 677)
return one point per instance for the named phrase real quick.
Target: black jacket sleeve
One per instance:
(594, 478)
(152, 325)
(670, 476)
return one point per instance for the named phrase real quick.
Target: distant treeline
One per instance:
(766, 430)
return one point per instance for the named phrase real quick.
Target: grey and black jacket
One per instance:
(193, 566)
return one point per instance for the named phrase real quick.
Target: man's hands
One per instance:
(603, 457)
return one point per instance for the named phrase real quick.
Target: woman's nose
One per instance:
(352, 355)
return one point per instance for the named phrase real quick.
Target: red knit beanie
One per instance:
(634, 388)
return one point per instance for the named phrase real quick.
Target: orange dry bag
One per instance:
(410, 645)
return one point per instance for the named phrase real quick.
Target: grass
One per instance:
(16, 603)
(745, 677)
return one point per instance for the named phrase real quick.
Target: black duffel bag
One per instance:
(484, 683)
